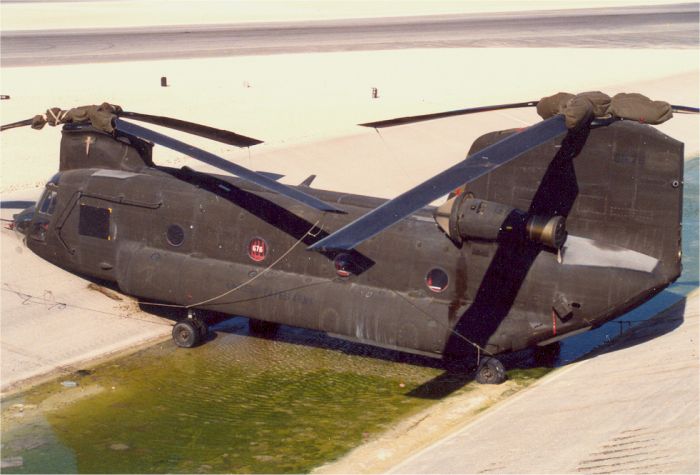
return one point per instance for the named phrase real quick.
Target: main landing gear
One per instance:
(490, 371)
(190, 331)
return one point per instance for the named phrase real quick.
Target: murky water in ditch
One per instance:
(247, 404)
(236, 404)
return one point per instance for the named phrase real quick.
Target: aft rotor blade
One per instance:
(225, 165)
(440, 115)
(475, 166)
(13, 125)
(220, 135)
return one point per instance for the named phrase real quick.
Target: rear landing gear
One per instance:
(191, 331)
(490, 371)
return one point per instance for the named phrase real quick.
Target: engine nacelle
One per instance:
(465, 218)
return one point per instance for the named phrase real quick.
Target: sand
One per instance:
(292, 100)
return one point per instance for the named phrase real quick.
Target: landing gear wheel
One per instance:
(262, 328)
(490, 371)
(186, 333)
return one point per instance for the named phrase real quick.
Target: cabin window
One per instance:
(94, 221)
(436, 280)
(175, 235)
(48, 202)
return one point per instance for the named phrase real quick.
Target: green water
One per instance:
(237, 404)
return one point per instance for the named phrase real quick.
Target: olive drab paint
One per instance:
(182, 237)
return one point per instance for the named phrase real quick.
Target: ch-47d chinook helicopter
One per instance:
(548, 231)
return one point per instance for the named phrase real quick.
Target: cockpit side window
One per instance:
(41, 213)
(47, 203)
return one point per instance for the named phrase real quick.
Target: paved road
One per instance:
(669, 26)
(633, 409)
(52, 321)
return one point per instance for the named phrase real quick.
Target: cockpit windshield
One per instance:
(47, 202)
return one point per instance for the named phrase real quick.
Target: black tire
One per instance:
(490, 371)
(262, 328)
(186, 334)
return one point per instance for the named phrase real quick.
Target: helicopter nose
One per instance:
(23, 219)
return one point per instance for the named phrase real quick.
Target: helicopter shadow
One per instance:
(268, 211)
(237, 325)
(16, 204)
(455, 374)
(670, 316)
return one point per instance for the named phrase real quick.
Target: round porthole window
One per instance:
(257, 249)
(436, 280)
(175, 235)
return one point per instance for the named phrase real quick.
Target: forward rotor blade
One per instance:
(225, 165)
(13, 125)
(420, 118)
(205, 131)
(686, 109)
(474, 166)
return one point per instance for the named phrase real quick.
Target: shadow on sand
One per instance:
(661, 324)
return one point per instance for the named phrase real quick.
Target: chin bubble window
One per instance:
(436, 280)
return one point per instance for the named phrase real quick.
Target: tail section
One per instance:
(619, 186)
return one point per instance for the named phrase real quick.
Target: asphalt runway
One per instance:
(667, 26)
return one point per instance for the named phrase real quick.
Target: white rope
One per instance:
(247, 282)
(58, 119)
(479, 349)
(256, 276)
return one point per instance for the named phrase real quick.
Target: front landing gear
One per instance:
(191, 331)
(490, 371)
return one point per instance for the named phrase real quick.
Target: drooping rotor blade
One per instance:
(225, 165)
(205, 131)
(476, 165)
(13, 125)
(440, 115)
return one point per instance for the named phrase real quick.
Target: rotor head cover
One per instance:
(580, 109)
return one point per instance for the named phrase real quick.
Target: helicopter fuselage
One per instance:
(176, 236)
